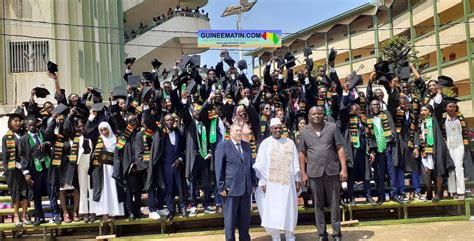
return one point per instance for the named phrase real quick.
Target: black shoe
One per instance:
(131, 217)
(322, 238)
(337, 238)
(184, 214)
(57, 220)
(370, 200)
(170, 216)
(38, 221)
(397, 199)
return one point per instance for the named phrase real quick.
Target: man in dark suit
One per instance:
(167, 156)
(34, 151)
(235, 179)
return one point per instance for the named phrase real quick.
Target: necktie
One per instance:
(37, 140)
(240, 151)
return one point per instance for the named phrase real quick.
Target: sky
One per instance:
(289, 16)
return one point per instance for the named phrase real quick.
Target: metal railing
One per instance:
(134, 34)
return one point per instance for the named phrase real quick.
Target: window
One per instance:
(346, 60)
(27, 56)
(358, 56)
(372, 52)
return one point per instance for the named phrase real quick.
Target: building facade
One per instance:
(85, 38)
(162, 29)
(440, 30)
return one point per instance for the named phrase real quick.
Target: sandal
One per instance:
(66, 218)
(76, 218)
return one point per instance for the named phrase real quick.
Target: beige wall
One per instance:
(81, 64)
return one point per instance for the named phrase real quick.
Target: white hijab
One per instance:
(109, 141)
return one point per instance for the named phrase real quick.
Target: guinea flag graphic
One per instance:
(270, 36)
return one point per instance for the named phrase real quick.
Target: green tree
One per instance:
(398, 50)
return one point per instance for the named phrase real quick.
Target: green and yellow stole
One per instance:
(137, 107)
(400, 119)
(201, 139)
(354, 129)
(427, 138)
(98, 149)
(11, 149)
(46, 158)
(75, 147)
(382, 136)
(147, 135)
(124, 137)
(58, 150)
(212, 115)
(461, 119)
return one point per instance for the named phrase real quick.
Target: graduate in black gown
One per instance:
(20, 192)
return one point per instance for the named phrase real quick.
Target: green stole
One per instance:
(201, 140)
(46, 158)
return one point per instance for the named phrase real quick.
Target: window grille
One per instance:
(27, 56)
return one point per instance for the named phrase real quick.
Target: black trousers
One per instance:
(237, 212)
(327, 189)
(134, 192)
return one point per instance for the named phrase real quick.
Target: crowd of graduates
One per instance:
(157, 138)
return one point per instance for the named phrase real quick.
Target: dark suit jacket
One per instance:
(156, 158)
(233, 172)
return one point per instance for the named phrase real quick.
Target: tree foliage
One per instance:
(398, 50)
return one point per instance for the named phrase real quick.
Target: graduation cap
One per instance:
(147, 76)
(52, 67)
(98, 107)
(445, 81)
(332, 55)
(156, 63)
(280, 63)
(191, 87)
(242, 64)
(354, 80)
(41, 92)
(184, 61)
(18, 112)
(130, 60)
(229, 61)
(118, 92)
(60, 109)
(96, 91)
(195, 61)
(118, 121)
(404, 71)
(381, 67)
(290, 60)
(134, 80)
(307, 51)
(146, 91)
(451, 99)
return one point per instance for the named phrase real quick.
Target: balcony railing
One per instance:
(135, 33)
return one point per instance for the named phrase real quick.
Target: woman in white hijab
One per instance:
(108, 204)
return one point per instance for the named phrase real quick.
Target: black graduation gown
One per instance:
(402, 154)
(26, 153)
(191, 139)
(66, 173)
(356, 158)
(123, 160)
(443, 163)
(17, 185)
